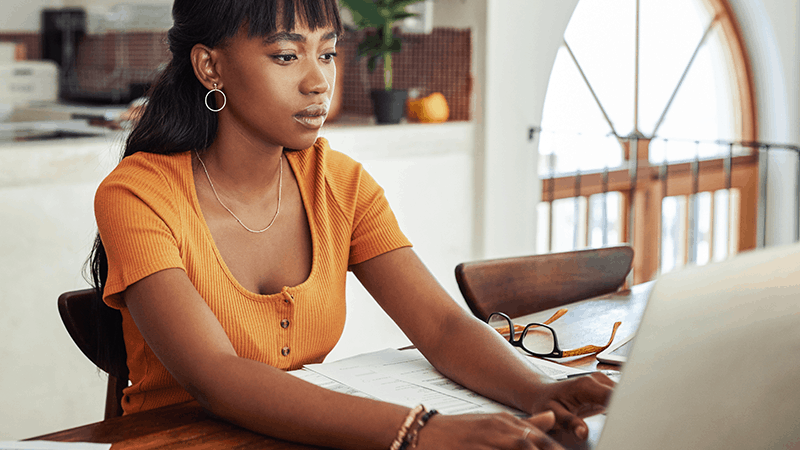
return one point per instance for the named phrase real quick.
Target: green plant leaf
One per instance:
(403, 15)
(404, 3)
(369, 12)
(360, 21)
(379, 15)
(372, 62)
(396, 45)
(376, 13)
(371, 44)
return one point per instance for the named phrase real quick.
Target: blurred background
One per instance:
(571, 124)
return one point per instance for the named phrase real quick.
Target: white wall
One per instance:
(472, 14)
(24, 15)
(770, 29)
(522, 38)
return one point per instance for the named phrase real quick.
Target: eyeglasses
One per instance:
(539, 339)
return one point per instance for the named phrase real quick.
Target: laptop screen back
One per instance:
(716, 360)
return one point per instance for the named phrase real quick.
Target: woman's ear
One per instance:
(204, 63)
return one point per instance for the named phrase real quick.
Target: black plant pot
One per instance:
(389, 106)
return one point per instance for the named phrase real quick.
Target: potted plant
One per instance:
(381, 16)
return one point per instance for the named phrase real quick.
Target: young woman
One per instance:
(226, 233)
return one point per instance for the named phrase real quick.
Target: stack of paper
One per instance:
(406, 378)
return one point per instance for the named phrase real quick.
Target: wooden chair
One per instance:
(524, 285)
(80, 319)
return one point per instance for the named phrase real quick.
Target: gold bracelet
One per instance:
(400, 439)
(412, 436)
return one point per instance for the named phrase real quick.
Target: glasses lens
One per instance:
(500, 323)
(538, 339)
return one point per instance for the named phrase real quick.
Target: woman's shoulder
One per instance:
(150, 177)
(146, 168)
(321, 157)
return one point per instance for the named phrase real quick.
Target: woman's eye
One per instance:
(284, 58)
(329, 56)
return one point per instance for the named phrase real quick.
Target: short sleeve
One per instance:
(137, 218)
(375, 227)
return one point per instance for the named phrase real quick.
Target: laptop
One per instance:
(716, 360)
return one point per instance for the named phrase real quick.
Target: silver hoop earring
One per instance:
(224, 99)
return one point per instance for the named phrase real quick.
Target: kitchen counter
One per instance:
(57, 111)
(55, 152)
(360, 137)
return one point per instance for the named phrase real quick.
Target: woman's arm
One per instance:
(467, 350)
(188, 339)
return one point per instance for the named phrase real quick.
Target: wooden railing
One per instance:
(644, 186)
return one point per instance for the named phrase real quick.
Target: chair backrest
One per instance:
(80, 319)
(527, 284)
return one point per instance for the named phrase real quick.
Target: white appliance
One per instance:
(23, 82)
(7, 51)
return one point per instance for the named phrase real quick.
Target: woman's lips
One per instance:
(312, 116)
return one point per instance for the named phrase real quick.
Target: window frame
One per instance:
(644, 185)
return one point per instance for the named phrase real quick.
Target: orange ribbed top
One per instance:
(150, 220)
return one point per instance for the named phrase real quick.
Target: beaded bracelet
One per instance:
(412, 436)
(400, 439)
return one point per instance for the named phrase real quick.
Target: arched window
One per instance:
(669, 80)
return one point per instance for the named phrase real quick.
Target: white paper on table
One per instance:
(405, 377)
(553, 370)
(327, 383)
(51, 445)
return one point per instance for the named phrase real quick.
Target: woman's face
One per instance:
(278, 88)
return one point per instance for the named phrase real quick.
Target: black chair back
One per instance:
(80, 316)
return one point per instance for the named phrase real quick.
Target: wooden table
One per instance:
(591, 321)
(187, 426)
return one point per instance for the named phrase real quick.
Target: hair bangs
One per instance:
(267, 17)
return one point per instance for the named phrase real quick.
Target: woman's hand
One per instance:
(488, 431)
(573, 399)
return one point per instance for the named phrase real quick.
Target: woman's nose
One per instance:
(319, 78)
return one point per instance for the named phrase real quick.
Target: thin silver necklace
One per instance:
(277, 210)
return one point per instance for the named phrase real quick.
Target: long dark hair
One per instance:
(176, 119)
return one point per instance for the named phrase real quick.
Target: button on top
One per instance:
(285, 323)
(285, 351)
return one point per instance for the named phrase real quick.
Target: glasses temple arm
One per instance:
(555, 316)
(589, 349)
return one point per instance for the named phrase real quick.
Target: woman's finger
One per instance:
(595, 388)
(544, 421)
(603, 379)
(537, 437)
(489, 431)
(570, 422)
(593, 394)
